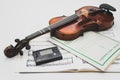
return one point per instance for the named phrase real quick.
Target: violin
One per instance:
(87, 18)
(91, 18)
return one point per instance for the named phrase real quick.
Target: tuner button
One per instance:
(17, 40)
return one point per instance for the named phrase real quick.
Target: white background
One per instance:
(19, 18)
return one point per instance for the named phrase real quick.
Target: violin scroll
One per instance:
(12, 51)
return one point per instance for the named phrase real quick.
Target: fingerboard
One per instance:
(58, 24)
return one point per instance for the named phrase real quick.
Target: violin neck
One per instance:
(58, 24)
(38, 33)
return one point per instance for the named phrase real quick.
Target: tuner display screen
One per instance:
(46, 52)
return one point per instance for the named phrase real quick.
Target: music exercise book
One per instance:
(98, 50)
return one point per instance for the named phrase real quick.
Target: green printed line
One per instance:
(109, 51)
(111, 55)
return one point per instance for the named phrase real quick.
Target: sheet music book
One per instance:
(96, 49)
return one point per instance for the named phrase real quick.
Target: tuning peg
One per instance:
(17, 40)
(21, 53)
(28, 46)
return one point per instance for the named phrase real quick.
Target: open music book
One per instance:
(69, 63)
(98, 50)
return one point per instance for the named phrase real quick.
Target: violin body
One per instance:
(99, 21)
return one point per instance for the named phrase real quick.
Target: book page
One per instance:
(97, 49)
